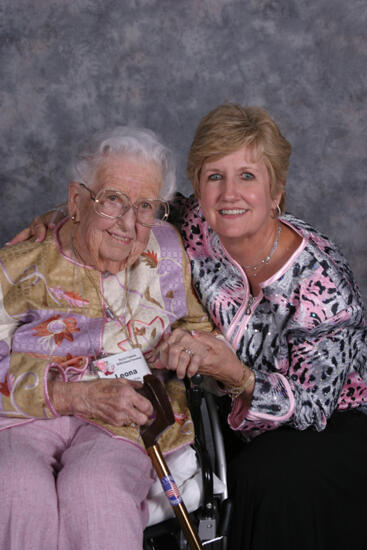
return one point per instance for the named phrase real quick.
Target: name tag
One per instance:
(127, 364)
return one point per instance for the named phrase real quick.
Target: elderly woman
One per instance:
(295, 367)
(105, 285)
(285, 299)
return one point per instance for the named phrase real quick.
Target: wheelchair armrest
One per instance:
(194, 397)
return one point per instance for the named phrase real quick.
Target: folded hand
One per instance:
(190, 352)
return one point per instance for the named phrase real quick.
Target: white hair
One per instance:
(126, 140)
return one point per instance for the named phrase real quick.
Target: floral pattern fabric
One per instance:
(54, 322)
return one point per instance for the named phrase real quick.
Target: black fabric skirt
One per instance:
(302, 490)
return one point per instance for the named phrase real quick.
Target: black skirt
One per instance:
(302, 490)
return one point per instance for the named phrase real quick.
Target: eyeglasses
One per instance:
(113, 204)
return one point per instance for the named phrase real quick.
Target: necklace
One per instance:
(108, 308)
(255, 268)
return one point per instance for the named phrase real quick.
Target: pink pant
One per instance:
(66, 485)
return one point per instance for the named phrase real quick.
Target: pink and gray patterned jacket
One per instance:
(304, 335)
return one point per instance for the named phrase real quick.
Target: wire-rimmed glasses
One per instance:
(112, 204)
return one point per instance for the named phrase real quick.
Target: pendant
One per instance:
(109, 313)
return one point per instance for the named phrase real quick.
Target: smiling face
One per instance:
(110, 245)
(235, 197)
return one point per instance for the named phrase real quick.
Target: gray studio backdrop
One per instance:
(70, 67)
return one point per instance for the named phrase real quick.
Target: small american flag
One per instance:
(170, 488)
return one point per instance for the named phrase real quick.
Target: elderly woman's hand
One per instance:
(190, 352)
(116, 402)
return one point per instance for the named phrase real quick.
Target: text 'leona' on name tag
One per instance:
(127, 364)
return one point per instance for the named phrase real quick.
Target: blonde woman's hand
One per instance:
(38, 227)
(190, 352)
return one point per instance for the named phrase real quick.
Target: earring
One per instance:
(73, 219)
(198, 211)
(276, 211)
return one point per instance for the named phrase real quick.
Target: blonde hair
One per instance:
(229, 127)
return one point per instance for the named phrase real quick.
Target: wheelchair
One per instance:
(212, 514)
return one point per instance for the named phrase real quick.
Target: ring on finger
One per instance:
(188, 351)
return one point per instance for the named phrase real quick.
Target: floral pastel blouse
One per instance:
(54, 322)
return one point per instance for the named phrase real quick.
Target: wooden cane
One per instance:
(157, 395)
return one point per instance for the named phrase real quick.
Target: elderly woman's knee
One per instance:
(74, 477)
(106, 490)
(88, 477)
(23, 472)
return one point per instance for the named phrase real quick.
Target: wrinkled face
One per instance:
(235, 196)
(111, 244)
